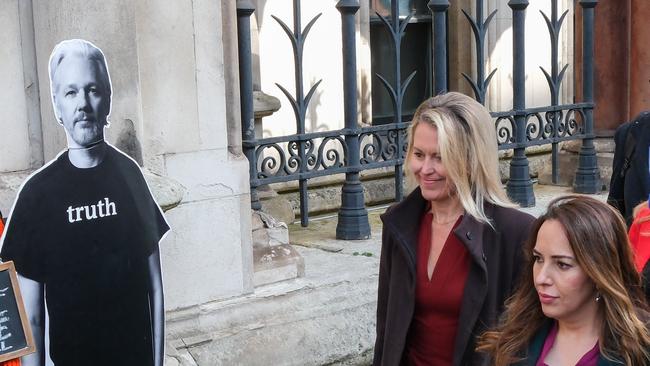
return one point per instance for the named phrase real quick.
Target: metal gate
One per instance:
(302, 156)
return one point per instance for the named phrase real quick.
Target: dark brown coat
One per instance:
(496, 259)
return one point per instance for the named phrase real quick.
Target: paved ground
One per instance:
(321, 233)
(326, 317)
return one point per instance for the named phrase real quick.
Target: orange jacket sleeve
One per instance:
(639, 235)
(15, 362)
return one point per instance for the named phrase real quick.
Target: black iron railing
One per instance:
(349, 150)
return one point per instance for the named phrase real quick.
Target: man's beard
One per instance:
(85, 136)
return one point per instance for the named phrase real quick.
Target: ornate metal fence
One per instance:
(302, 156)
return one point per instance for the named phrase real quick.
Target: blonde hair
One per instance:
(468, 149)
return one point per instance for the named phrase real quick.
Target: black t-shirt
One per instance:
(86, 235)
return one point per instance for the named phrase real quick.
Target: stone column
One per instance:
(20, 122)
(231, 76)
(461, 55)
(639, 57)
(611, 60)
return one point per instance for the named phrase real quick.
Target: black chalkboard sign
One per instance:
(15, 334)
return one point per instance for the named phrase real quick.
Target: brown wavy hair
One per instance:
(598, 237)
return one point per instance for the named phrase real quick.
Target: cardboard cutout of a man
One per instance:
(84, 233)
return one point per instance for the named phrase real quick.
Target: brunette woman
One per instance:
(451, 250)
(580, 300)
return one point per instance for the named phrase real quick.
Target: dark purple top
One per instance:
(588, 359)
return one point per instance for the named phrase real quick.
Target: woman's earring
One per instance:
(598, 297)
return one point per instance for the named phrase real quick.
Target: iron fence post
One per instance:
(245, 9)
(439, 10)
(479, 29)
(397, 29)
(353, 216)
(554, 80)
(555, 90)
(520, 186)
(300, 119)
(587, 178)
(398, 34)
(300, 160)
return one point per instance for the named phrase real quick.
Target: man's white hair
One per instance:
(83, 48)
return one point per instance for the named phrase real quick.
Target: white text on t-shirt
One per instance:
(103, 208)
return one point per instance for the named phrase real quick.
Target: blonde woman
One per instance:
(580, 300)
(451, 250)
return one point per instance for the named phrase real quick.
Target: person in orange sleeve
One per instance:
(639, 234)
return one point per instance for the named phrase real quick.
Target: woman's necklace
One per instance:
(447, 222)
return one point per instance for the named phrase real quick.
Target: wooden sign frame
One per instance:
(27, 331)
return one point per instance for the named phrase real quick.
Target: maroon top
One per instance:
(432, 333)
(588, 359)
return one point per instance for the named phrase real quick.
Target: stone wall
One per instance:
(538, 54)
(169, 62)
(20, 125)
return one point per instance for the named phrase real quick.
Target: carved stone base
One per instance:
(276, 263)
(274, 259)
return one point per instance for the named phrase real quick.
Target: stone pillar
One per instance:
(20, 147)
(615, 90)
(20, 121)
(461, 56)
(639, 57)
(231, 76)
(167, 64)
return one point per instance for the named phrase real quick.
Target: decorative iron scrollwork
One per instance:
(330, 158)
(272, 165)
(505, 127)
(543, 125)
(383, 145)
(574, 123)
(535, 127)
(284, 159)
